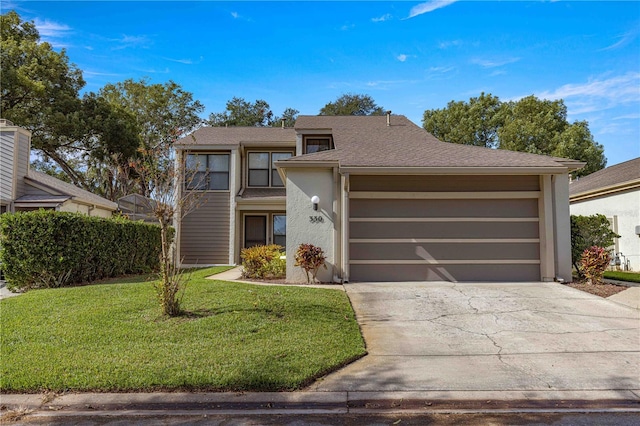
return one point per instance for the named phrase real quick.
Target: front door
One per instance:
(255, 231)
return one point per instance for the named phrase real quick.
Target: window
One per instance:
(262, 170)
(317, 144)
(280, 230)
(207, 172)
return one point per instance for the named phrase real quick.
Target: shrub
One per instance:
(588, 231)
(43, 249)
(263, 262)
(310, 258)
(594, 261)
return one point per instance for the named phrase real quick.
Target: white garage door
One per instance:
(444, 228)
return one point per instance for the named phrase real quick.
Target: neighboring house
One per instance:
(615, 193)
(395, 203)
(22, 189)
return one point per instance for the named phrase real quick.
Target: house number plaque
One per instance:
(316, 219)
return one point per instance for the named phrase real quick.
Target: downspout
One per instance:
(344, 237)
(555, 227)
(337, 226)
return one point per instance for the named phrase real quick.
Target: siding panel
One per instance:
(6, 166)
(205, 231)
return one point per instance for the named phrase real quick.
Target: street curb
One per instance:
(308, 403)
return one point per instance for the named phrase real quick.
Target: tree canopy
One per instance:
(38, 86)
(352, 104)
(162, 114)
(533, 125)
(240, 112)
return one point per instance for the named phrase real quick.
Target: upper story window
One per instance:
(261, 169)
(317, 144)
(208, 172)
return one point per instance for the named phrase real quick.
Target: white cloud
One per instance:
(347, 27)
(48, 28)
(127, 41)
(615, 90)
(235, 15)
(382, 18)
(439, 72)
(625, 39)
(387, 84)
(450, 43)
(493, 63)
(402, 57)
(185, 61)
(52, 32)
(429, 6)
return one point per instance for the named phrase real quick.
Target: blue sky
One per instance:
(409, 55)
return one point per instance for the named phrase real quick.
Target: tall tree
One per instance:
(163, 113)
(352, 104)
(38, 87)
(472, 123)
(239, 112)
(528, 125)
(40, 91)
(289, 116)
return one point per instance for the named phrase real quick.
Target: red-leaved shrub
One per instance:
(594, 261)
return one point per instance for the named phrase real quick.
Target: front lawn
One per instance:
(111, 337)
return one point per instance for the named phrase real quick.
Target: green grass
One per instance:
(111, 337)
(623, 276)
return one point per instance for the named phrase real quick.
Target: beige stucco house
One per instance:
(393, 202)
(615, 193)
(23, 189)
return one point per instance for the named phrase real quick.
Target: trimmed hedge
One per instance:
(43, 249)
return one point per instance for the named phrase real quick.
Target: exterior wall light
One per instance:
(315, 200)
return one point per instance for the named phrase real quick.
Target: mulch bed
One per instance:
(602, 290)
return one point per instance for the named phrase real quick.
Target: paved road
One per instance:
(491, 337)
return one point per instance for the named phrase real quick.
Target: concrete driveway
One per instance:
(491, 337)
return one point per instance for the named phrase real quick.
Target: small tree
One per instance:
(589, 231)
(310, 258)
(169, 203)
(594, 261)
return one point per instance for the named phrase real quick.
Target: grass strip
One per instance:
(633, 277)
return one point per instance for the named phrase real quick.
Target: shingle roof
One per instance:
(264, 193)
(237, 135)
(66, 188)
(369, 142)
(614, 175)
(43, 199)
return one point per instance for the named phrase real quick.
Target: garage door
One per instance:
(444, 228)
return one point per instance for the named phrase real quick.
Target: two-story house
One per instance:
(382, 197)
(23, 189)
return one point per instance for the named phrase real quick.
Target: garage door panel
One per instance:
(372, 230)
(453, 273)
(480, 208)
(445, 183)
(444, 251)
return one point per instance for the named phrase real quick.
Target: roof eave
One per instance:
(452, 170)
(606, 190)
